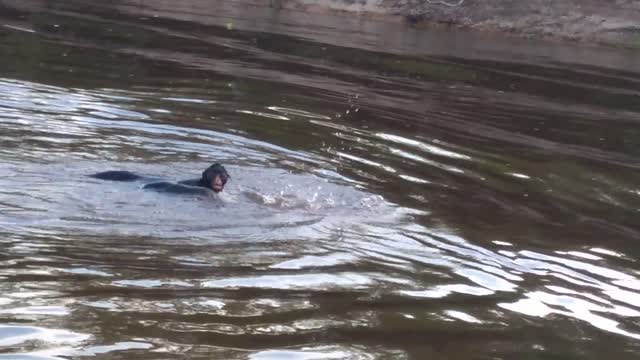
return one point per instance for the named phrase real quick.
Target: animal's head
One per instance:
(215, 177)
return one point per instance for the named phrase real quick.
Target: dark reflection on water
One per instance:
(395, 193)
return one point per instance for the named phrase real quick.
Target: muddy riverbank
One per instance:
(610, 22)
(615, 22)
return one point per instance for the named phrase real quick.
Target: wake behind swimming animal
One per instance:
(213, 178)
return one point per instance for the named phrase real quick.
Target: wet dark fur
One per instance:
(192, 186)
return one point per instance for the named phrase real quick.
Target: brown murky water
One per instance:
(396, 193)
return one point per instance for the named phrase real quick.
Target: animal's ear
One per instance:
(205, 173)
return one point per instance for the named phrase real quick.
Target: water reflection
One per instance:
(419, 202)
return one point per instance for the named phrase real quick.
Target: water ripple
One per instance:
(391, 196)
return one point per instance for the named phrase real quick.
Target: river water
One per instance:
(395, 192)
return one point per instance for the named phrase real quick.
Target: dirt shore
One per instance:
(615, 22)
(611, 22)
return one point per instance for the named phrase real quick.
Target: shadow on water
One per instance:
(395, 193)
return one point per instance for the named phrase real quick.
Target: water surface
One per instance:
(396, 193)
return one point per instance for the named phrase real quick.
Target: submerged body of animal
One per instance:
(213, 178)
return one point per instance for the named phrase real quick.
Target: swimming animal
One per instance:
(213, 178)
